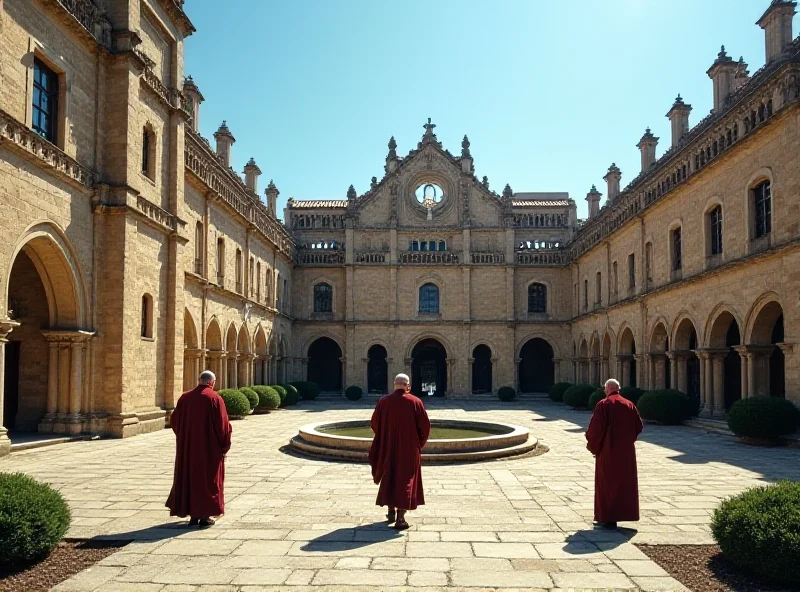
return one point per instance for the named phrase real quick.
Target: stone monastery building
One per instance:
(133, 256)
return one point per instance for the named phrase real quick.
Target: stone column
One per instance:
(494, 361)
(743, 366)
(6, 326)
(673, 370)
(75, 379)
(343, 360)
(660, 368)
(407, 363)
(705, 397)
(451, 362)
(680, 372)
(63, 386)
(52, 388)
(516, 372)
(556, 370)
(624, 364)
(470, 386)
(719, 385)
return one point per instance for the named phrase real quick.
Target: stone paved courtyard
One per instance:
(299, 524)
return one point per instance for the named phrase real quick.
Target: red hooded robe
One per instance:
(401, 428)
(203, 437)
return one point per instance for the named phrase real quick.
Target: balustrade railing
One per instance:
(429, 258)
(487, 258)
(371, 257)
(319, 257)
(541, 257)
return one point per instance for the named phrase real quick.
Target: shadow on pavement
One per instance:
(344, 539)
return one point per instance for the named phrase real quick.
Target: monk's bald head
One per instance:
(401, 381)
(207, 377)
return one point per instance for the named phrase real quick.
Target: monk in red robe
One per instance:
(203, 438)
(612, 432)
(401, 428)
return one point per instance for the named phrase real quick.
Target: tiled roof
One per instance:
(318, 203)
(538, 203)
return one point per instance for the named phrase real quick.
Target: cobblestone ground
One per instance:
(299, 524)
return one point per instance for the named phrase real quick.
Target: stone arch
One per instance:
(684, 343)
(481, 355)
(370, 344)
(583, 348)
(536, 371)
(760, 319)
(764, 336)
(260, 341)
(213, 335)
(325, 364)
(413, 342)
(660, 370)
(191, 351)
(189, 330)
(318, 335)
(260, 348)
(659, 338)
(533, 335)
(718, 323)
(723, 336)
(626, 354)
(682, 327)
(243, 343)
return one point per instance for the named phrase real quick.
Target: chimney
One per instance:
(723, 74)
(777, 25)
(679, 118)
(466, 157)
(251, 174)
(195, 98)
(647, 147)
(225, 140)
(272, 198)
(613, 178)
(391, 158)
(593, 197)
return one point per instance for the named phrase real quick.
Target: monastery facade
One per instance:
(133, 255)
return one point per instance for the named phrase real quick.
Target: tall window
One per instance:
(252, 275)
(149, 152)
(277, 290)
(585, 294)
(285, 293)
(268, 285)
(221, 261)
(323, 298)
(45, 101)
(429, 299)
(648, 262)
(677, 259)
(145, 152)
(239, 271)
(715, 230)
(258, 281)
(763, 209)
(537, 298)
(598, 288)
(631, 271)
(198, 248)
(147, 316)
(442, 246)
(614, 279)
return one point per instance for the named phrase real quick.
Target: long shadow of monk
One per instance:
(345, 539)
(588, 540)
(159, 532)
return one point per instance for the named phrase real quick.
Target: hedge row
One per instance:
(243, 401)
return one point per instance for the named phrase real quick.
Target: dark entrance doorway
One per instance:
(429, 368)
(377, 370)
(11, 384)
(325, 365)
(732, 367)
(482, 369)
(536, 368)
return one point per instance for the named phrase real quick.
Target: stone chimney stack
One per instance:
(723, 74)
(251, 174)
(466, 157)
(647, 147)
(272, 198)
(679, 118)
(777, 25)
(225, 140)
(391, 158)
(613, 178)
(195, 98)
(593, 197)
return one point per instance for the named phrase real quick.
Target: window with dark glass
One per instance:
(431, 245)
(414, 246)
(677, 260)
(145, 153)
(442, 246)
(585, 293)
(631, 271)
(429, 299)
(45, 101)
(323, 298)
(715, 227)
(763, 207)
(147, 316)
(537, 298)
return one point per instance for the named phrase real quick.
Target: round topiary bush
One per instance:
(281, 393)
(292, 395)
(632, 393)
(236, 403)
(557, 391)
(268, 397)
(252, 397)
(308, 390)
(577, 396)
(764, 418)
(506, 393)
(353, 393)
(597, 396)
(667, 406)
(33, 518)
(759, 530)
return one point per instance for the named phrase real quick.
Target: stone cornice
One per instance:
(86, 18)
(159, 216)
(175, 11)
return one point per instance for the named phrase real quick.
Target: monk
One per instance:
(401, 428)
(203, 438)
(612, 433)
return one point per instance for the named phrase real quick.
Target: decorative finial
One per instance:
(271, 187)
(465, 147)
(507, 191)
(374, 182)
(251, 162)
(594, 189)
(485, 182)
(429, 137)
(392, 149)
(351, 192)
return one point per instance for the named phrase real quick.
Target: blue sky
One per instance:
(550, 93)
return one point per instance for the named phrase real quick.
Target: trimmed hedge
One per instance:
(268, 397)
(759, 530)
(292, 395)
(281, 393)
(632, 393)
(762, 417)
(667, 406)
(236, 403)
(597, 396)
(33, 518)
(577, 396)
(252, 397)
(506, 393)
(308, 390)
(557, 391)
(353, 393)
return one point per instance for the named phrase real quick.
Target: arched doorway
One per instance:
(261, 370)
(725, 334)
(325, 365)
(627, 358)
(768, 364)
(536, 367)
(688, 365)
(377, 370)
(481, 369)
(429, 368)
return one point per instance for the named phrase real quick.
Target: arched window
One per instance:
(147, 316)
(762, 202)
(221, 262)
(537, 298)
(198, 248)
(715, 230)
(239, 270)
(323, 298)
(429, 299)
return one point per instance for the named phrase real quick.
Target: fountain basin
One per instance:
(482, 440)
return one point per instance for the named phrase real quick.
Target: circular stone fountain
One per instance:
(451, 440)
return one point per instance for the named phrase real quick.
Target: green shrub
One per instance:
(578, 395)
(759, 530)
(506, 393)
(33, 518)
(236, 403)
(252, 396)
(353, 392)
(268, 397)
(632, 393)
(762, 417)
(557, 391)
(281, 393)
(308, 390)
(597, 396)
(666, 406)
(292, 396)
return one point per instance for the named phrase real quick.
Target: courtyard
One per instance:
(301, 524)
